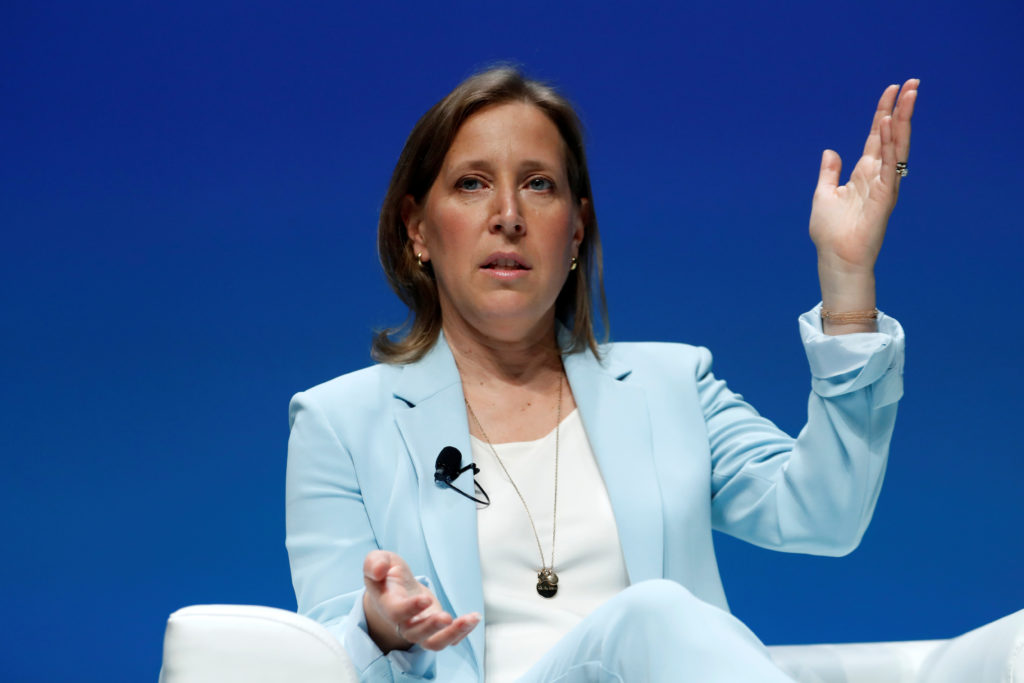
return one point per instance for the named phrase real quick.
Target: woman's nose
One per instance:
(507, 215)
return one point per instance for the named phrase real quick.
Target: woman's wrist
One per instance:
(848, 294)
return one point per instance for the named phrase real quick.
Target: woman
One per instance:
(585, 544)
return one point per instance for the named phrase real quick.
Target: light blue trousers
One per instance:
(657, 631)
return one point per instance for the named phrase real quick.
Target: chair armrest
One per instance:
(897, 662)
(226, 643)
(993, 653)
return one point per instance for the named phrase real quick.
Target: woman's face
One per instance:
(499, 225)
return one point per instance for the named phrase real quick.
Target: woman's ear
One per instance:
(411, 217)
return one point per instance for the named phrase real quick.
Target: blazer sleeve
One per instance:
(815, 493)
(328, 537)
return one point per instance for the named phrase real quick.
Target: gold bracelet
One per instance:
(849, 317)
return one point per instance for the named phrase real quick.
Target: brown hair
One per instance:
(415, 172)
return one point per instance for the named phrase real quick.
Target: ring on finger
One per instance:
(901, 169)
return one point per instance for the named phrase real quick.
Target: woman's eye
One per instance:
(469, 184)
(540, 184)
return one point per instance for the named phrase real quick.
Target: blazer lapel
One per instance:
(434, 416)
(617, 422)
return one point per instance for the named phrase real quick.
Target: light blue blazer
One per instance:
(679, 452)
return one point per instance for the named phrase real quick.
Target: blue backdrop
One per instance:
(188, 200)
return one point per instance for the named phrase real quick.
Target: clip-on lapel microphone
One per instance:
(447, 470)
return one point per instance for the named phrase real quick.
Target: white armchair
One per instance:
(251, 644)
(226, 643)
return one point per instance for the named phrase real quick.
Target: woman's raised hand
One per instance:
(400, 611)
(848, 221)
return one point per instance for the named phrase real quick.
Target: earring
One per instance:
(573, 262)
(419, 260)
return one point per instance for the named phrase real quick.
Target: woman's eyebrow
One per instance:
(538, 164)
(473, 164)
(488, 167)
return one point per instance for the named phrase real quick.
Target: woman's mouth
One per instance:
(505, 265)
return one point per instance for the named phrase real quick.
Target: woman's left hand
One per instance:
(848, 221)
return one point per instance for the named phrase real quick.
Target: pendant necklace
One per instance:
(547, 579)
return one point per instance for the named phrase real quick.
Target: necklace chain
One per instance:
(554, 521)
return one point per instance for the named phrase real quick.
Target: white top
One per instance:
(520, 624)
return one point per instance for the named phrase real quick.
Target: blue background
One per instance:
(188, 201)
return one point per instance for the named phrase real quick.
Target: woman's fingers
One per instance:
(888, 172)
(828, 175)
(901, 118)
(382, 567)
(872, 146)
(378, 563)
(424, 624)
(466, 624)
(395, 593)
(453, 633)
(436, 630)
(898, 103)
(402, 611)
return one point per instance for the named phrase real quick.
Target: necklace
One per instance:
(547, 579)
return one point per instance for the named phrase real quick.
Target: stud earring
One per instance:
(419, 260)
